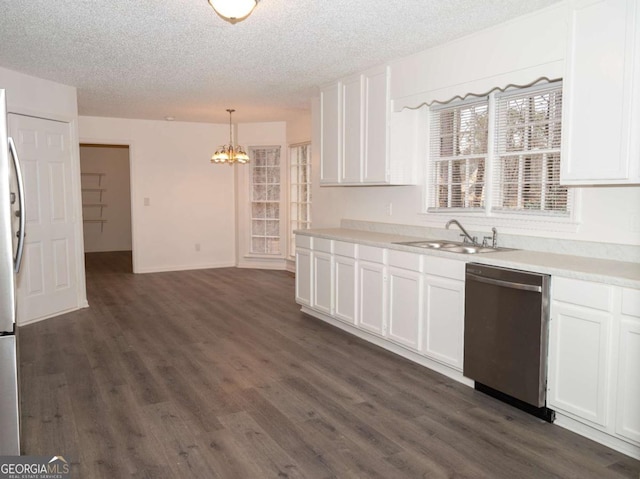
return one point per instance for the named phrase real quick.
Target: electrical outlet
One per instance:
(197, 246)
(147, 201)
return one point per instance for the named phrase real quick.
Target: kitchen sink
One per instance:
(452, 246)
(432, 244)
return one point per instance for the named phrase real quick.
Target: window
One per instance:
(512, 137)
(458, 155)
(265, 200)
(300, 197)
(527, 167)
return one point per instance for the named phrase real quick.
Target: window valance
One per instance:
(483, 86)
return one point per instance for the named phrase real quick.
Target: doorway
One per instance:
(105, 172)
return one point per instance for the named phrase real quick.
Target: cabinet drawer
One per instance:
(371, 253)
(447, 268)
(303, 241)
(322, 244)
(403, 259)
(581, 293)
(631, 302)
(345, 249)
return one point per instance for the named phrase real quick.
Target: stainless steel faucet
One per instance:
(493, 237)
(473, 239)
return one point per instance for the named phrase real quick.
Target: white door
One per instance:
(47, 284)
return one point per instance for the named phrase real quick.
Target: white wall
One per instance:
(299, 128)
(190, 199)
(252, 135)
(28, 95)
(608, 214)
(112, 162)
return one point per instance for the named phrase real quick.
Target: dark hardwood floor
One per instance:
(217, 374)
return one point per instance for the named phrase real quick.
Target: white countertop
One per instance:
(618, 273)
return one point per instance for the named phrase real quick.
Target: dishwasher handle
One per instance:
(505, 284)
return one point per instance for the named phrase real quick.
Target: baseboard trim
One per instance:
(393, 347)
(49, 316)
(589, 432)
(166, 269)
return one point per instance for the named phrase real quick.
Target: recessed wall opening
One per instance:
(106, 204)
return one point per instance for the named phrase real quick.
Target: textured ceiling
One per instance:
(156, 58)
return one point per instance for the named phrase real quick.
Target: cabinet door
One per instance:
(303, 276)
(598, 92)
(628, 397)
(346, 289)
(376, 127)
(331, 132)
(351, 171)
(443, 334)
(578, 369)
(405, 288)
(372, 297)
(322, 271)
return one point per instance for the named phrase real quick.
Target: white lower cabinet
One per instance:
(346, 284)
(594, 358)
(628, 398)
(303, 270)
(443, 334)
(405, 306)
(414, 305)
(578, 375)
(322, 298)
(412, 300)
(372, 297)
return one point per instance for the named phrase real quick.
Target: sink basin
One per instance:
(472, 249)
(435, 244)
(453, 247)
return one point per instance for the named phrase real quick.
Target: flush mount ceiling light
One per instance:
(233, 10)
(230, 154)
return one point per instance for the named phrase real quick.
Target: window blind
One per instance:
(458, 152)
(526, 175)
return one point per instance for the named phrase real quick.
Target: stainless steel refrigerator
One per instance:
(12, 230)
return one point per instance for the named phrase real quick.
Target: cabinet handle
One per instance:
(21, 204)
(505, 284)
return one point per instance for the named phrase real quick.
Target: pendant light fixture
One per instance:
(230, 154)
(233, 10)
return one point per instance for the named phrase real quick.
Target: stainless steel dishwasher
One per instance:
(505, 335)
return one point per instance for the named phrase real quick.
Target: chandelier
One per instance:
(233, 10)
(230, 154)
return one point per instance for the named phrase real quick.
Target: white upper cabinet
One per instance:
(376, 143)
(601, 110)
(357, 134)
(352, 111)
(331, 133)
